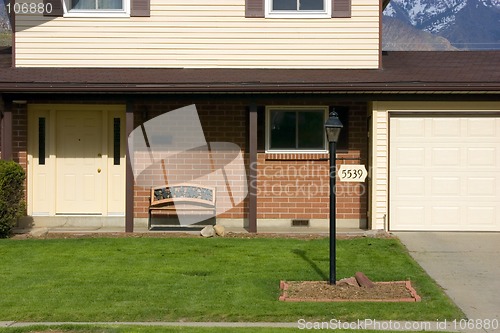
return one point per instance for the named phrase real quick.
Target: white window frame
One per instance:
(68, 12)
(294, 108)
(326, 13)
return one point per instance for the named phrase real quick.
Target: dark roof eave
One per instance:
(402, 71)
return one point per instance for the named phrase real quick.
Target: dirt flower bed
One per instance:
(322, 291)
(193, 234)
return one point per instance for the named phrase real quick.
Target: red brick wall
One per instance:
(221, 122)
(292, 186)
(296, 186)
(289, 186)
(19, 136)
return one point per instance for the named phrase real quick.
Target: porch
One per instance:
(287, 190)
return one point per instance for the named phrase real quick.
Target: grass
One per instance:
(194, 279)
(144, 329)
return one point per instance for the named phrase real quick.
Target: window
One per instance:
(298, 5)
(296, 129)
(96, 8)
(97, 4)
(298, 8)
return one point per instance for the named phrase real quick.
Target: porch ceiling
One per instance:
(402, 72)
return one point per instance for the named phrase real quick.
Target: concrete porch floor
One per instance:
(38, 232)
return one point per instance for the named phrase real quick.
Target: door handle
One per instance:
(99, 170)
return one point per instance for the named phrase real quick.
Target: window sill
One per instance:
(299, 156)
(97, 14)
(298, 15)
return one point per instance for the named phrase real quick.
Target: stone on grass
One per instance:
(208, 231)
(39, 232)
(350, 281)
(363, 280)
(219, 230)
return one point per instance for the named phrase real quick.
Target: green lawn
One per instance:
(195, 279)
(143, 329)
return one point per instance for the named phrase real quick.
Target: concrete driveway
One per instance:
(466, 265)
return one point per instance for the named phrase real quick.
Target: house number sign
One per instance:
(352, 173)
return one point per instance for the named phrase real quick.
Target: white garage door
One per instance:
(444, 173)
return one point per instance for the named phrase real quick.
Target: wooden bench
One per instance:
(187, 199)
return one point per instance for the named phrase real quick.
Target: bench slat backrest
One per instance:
(183, 193)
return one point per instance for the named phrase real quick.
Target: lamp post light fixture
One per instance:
(333, 126)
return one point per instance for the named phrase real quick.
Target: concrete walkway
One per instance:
(43, 231)
(466, 265)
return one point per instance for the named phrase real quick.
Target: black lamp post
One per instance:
(332, 128)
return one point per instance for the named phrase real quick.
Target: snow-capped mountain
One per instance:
(467, 24)
(4, 19)
(400, 36)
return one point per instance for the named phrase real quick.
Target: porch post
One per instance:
(6, 131)
(129, 175)
(252, 186)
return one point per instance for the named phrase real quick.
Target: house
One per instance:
(263, 75)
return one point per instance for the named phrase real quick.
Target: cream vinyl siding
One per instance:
(380, 139)
(201, 34)
(379, 169)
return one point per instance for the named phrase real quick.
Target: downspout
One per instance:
(12, 22)
(382, 5)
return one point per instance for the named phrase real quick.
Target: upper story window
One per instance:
(298, 8)
(96, 5)
(97, 8)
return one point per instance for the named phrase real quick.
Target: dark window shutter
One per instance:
(254, 8)
(140, 8)
(341, 8)
(261, 129)
(54, 6)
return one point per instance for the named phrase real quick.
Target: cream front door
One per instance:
(80, 180)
